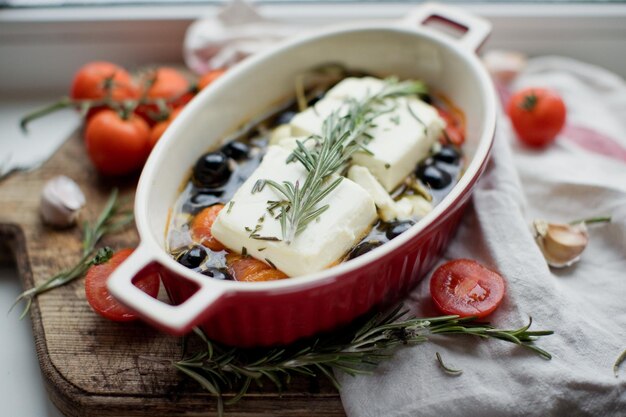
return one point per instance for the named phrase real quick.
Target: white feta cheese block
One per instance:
(356, 88)
(388, 209)
(322, 243)
(416, 204)
(280, 133)
(309, 122)
(401, 139)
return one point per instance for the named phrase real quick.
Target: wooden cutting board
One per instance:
(94, 367)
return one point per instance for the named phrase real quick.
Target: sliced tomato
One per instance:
(248, 269)
(98, 295)
(201, 227)
(466, 288)
(455, 127)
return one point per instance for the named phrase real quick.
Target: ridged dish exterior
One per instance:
(264, 319)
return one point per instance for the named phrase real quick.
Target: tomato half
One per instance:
(248, 269)
(455, 127)
(116, 146)
(466, 288)
(201, 227)
(90, 82)
(537, 115)
(98, 295)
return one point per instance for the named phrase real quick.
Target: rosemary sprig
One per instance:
(344, 132)
(112, 219)
(621, 358)
(355, 350)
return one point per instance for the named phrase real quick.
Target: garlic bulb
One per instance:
(561, 244)
(504, 66)
(61, 201)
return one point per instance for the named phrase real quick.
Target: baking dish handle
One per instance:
(175, 319)
(477, 29)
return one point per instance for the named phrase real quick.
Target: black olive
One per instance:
(193, 257)
(316, 98)
(448, 155)
(363, 247)
(285, 117)
(218, 273)
(426, 98)
(432, 175)
(211, 170)
(396, 228)
(236, 150)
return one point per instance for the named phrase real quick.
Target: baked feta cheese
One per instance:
(246, 221)
(401, 137)
(408, 207)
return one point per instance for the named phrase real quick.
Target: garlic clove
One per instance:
(561, 244)
(61, 201)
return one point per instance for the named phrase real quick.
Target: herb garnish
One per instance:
(112, 219)
(355, 350)
(344, 132)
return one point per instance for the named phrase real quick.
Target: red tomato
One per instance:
(169, 84)
(98, 295)
(455, 127)
(466, 288)
(248, 269)
(537, 115)
(159, 128)
(89, 82)
(201, 227)
(117, 146)
(209, 77)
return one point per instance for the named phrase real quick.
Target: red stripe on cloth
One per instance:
(594, 141)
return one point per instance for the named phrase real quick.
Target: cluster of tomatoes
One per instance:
(126, 116)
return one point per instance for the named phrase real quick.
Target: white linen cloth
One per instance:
(585, 304)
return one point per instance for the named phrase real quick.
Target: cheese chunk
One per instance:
(388, 210)
(309, 122)
(356, 88)
(401, 138)
(408, 207)
(323, 242)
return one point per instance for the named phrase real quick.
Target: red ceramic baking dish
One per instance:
(279, 312)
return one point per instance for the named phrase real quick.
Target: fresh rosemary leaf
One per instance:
(454, 372)
(112, 219)
(355, 350)
(621, 358)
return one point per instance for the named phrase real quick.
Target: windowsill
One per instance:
(41, 48)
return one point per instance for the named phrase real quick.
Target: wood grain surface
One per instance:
(94, 367)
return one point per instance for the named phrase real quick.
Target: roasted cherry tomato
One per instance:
(97, 79)
(168, 84)
(248, 269)
(466, 288)
(158, 129)
(209, 77)
(201, 227)
(454, 132)
(90, 82)
(98, 295)
(537, 115)
(117, 146)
